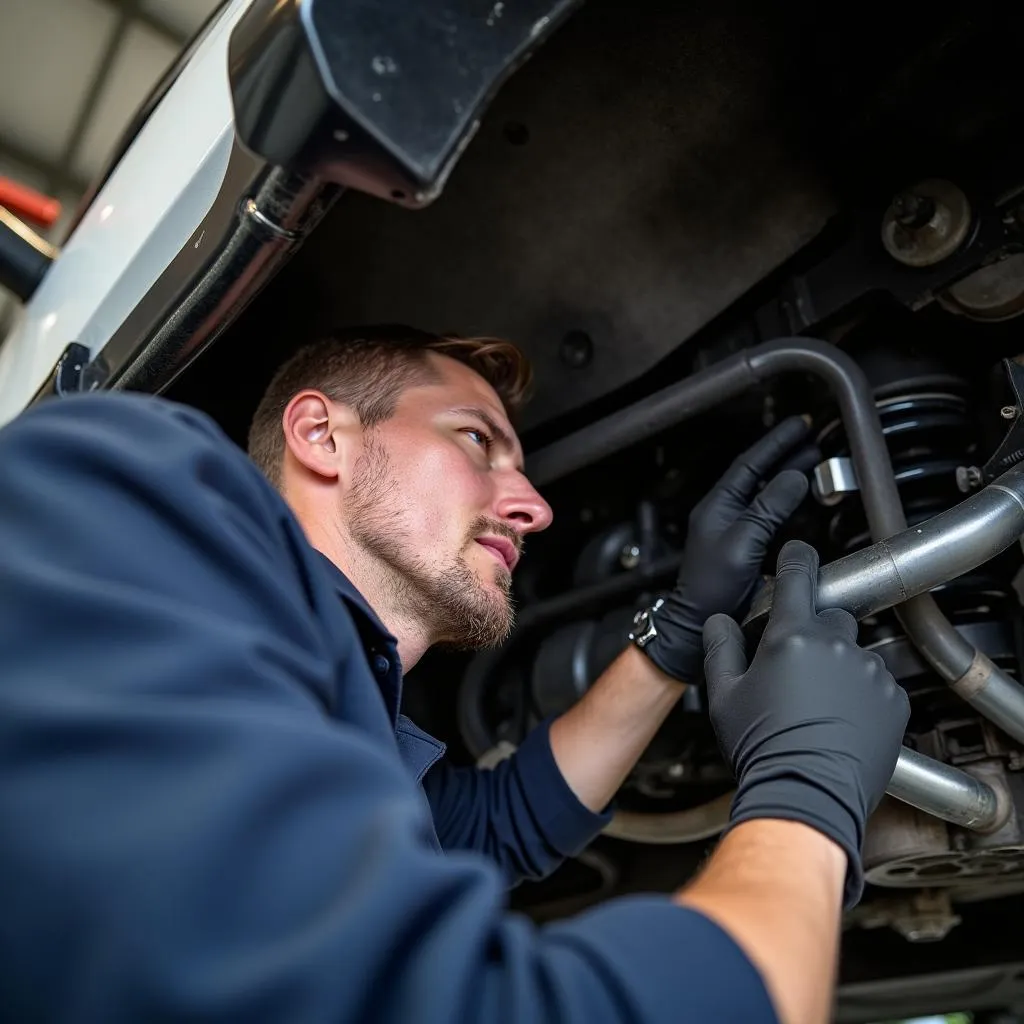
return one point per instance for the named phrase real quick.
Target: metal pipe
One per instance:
(927, 786)
(915, 561)
(902, 569)
(949, 793)
(972, 675)
(192, 304)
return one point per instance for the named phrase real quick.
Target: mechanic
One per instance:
(212, 808)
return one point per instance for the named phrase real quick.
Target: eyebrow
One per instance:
(501, 435)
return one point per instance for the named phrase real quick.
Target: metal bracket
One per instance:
(73, 373)
(1011, 450)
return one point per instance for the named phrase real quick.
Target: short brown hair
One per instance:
(367, 368)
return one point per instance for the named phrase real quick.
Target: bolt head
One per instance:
(1009, 412)
(630, 556)
(912, 211)
(968, 478)
(577, 349)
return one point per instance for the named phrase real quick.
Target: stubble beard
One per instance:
(455, 606)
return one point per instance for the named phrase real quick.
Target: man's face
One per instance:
(439, 500)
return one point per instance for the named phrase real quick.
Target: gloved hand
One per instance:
(813, 727)
(729, 533)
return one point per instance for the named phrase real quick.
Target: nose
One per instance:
(521, 506)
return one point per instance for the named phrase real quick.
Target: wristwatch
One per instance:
(644, 629)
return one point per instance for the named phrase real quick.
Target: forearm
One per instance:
(598, 740)
(776, 887)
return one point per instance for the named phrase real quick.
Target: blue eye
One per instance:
(485, 440)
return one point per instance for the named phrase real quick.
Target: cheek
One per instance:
(443, 491)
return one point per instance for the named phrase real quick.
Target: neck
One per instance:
(383, 589)
(387, 594)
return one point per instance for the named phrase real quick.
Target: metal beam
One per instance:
(127, 10)
(151, 21)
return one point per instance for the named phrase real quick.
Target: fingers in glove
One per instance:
(725, 656)
(770, 509)
(796, 586)
(840, 622)
(741, 480)
(804, 459)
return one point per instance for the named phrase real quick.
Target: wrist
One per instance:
(647, 674)
(792, 798)
(677, 650)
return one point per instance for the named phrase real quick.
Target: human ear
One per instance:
(314, 432)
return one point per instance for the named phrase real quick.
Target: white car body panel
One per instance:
(149, 208)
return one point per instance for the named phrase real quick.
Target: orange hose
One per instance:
(28, 204)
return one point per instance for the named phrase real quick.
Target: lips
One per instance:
(503, 548)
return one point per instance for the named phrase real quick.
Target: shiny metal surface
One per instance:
(914, 561)
(947, 792)
(834, 478)
(991, 691)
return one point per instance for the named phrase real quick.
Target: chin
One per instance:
(486, 568)
(496, 580)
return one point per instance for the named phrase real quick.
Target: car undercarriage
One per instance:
(659, 194)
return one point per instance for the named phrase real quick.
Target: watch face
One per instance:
(643, 628)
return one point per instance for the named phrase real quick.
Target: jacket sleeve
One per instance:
(187, 835)
(521, 813)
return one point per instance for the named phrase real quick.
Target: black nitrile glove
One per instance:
(729, 533)
(813, 727)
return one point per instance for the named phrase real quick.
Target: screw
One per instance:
(967, 478)
(1014, 217)
(577, 349)
(1009, 412)
(928, 931)
(630, 556)
(911, 211)
(516, 133)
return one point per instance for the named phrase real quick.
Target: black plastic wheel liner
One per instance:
(377, 95)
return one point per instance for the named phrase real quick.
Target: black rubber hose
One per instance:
(24, 256)
(727, 379)
(860, 420)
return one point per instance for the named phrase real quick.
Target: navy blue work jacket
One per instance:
(212, 810)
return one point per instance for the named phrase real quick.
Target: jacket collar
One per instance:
(418, 749)
(376, 639)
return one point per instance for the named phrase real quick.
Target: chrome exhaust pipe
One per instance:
(921, 558)
(948, 793)
(908, 565)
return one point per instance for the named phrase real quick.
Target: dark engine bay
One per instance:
(661, 187)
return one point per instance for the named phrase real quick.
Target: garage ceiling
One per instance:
(72, 73)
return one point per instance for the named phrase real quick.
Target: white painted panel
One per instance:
(148, 209)
(140, 61)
